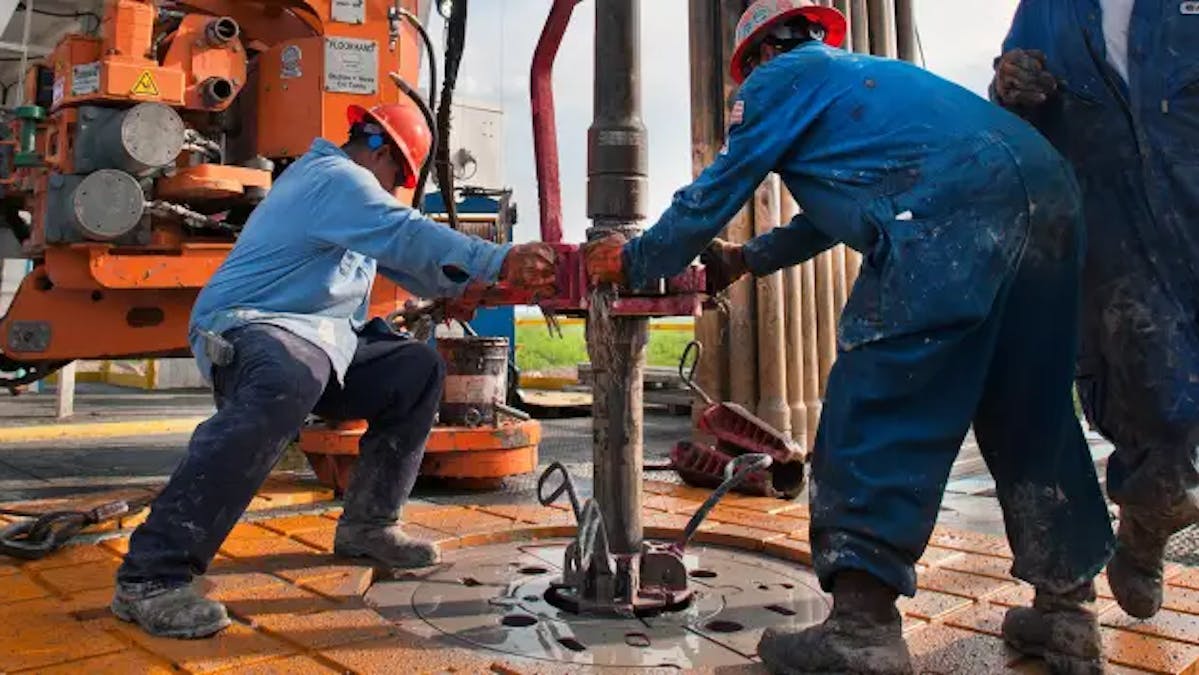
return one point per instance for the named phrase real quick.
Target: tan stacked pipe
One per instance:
(743, 380)
(773, 406)
(800, 391)
(707, 135)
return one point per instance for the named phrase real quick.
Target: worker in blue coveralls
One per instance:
(280, 331)
(1114, 84)
(964, 312)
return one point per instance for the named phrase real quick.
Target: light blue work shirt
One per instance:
(308, 255)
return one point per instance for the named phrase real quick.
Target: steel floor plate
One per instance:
(493, 598)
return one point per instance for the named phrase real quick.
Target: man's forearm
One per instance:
(795, 243)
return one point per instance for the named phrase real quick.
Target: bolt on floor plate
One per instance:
(493, 598)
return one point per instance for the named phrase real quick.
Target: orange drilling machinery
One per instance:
(141, 151)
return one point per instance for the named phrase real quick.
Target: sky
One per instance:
(960, 39)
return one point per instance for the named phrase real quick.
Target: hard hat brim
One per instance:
(835, 29)
(356, 114)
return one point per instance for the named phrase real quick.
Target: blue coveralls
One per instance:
(1135, 150)
(964, 310)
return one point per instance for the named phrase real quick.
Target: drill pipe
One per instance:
(616, 202)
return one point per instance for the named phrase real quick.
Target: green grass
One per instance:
(537, 350)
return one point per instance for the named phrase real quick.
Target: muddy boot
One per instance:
(1061, 629)
(863, 634)
(388, 546)
(169, 612)
(1135, 571)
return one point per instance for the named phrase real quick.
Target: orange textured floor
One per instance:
(299, 610)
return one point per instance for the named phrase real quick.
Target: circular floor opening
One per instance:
(518, 620)
(506, 609)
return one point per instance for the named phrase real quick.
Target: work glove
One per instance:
(604, 259)
(533, 267)
(1021, 79)
(724, 263)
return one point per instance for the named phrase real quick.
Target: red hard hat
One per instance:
(405, 126)
(763, 15)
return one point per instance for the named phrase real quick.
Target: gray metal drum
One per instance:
(476, 379)
(151, 137)
(143, 138)
(107, 205)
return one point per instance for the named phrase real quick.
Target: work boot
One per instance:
(1136, 569)
(1061, 628)
(386, 545)
(863, 634)
(177, 612)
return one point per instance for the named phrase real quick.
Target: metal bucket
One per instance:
(476, 379)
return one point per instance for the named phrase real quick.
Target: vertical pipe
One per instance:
(616, 202)
(65, 401)
(859, 25)
(811, 348)
(707, 131)
(882, 27)
(853, 265)
(794, 305)
(905, 31)
(839, 293)
(772, 345)
(741, 331)
(826, 316)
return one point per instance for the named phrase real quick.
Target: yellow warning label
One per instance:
(145, 85)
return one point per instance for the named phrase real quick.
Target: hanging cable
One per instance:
(426, 108)
(455, 45)
(418, 193)
(920, 46)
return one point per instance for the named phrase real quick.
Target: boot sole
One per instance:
(1058, 663)
(355, 554)
(119, 611)
(1136, 606)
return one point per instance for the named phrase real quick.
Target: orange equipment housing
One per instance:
(142, 151)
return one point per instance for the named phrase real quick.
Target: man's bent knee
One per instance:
(417, 367)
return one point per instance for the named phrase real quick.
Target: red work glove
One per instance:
(533, 267)
(724, 263)
(1021, 79)
(604, 259)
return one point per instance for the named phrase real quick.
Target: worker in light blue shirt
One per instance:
(964, 312)
(281, 332)
(1114, 85)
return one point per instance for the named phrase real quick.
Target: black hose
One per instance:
(413, 94)
(455, 45)
(427, 166)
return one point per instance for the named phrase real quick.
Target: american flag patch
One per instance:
(737, 116)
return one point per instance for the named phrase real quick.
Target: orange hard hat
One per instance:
(405, 127)
(764, 15)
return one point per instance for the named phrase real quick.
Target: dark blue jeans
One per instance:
(263, 397)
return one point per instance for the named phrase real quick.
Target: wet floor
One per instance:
(497, 598)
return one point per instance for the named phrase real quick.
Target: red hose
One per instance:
(545, 128)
